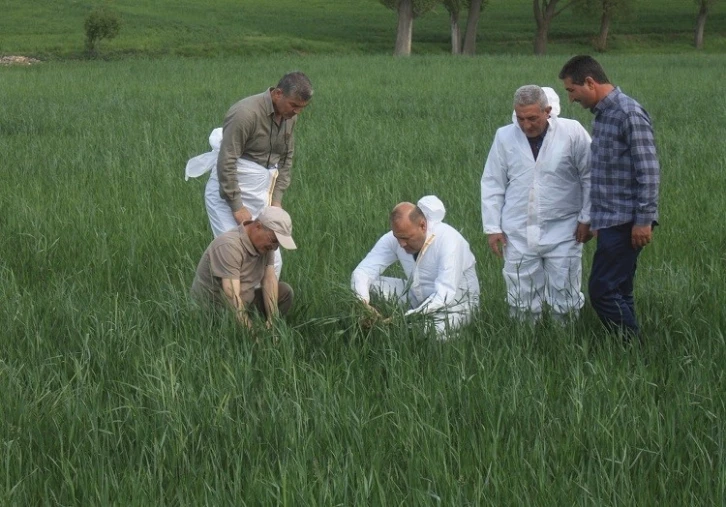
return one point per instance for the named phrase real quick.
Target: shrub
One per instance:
(101, 23)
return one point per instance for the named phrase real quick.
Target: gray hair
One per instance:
(528, 95)
(296, 84)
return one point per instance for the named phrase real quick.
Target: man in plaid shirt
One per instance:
(625, 175)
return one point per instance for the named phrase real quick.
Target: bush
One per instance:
(101, 23)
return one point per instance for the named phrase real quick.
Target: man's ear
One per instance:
(590, 82)
(548, 109)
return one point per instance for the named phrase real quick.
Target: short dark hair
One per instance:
(296, 84)
(580, 67)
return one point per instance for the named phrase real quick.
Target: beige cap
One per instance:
(277, 220)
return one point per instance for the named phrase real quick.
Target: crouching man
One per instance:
(237, 269)
(440, 270)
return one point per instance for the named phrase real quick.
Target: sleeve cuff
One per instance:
(236, 205)
(648, 219)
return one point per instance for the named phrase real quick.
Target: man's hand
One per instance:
(371, 316)
(582, 233)
(641, 235)
(495, 240)
(244, 319)
(242, 215)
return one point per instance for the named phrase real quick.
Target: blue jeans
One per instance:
(612, 276)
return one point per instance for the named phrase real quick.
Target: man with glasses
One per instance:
(237, 270)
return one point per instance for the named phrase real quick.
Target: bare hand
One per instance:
(371, 316)
(242, 215)
(582, 233)
(641, 235)
(495, 240)
(244, 319)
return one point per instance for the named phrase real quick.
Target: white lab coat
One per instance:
(256, 184)
(442, 281)
(537, 205)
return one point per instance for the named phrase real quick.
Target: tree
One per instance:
(407, 11)
(472, 22)
(703, 6)
(544, 12)
(607, 10)
(454, 7)
(101, 23)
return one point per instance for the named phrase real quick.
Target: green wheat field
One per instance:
(113, 391)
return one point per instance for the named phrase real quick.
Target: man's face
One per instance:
(287, 107)
(410, 235)
(263, 239)
(584, 94)
(531, 119)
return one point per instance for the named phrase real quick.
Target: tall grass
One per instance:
(113, 391)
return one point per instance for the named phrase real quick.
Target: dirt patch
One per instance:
(17, 60)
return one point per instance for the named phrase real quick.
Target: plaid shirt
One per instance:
(625, 170)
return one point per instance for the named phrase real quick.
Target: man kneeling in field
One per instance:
(440, 270)
(237, 269)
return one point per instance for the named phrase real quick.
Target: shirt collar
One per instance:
(269, 108)
(607, 102)
(541, 136)
(246, 242)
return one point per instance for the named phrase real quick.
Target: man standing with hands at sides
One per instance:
(255, 155)
(535, 201)
(625, 176)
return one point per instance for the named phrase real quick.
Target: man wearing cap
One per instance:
(535, 199)
(251, 157)
(238, 261)
(440, 269)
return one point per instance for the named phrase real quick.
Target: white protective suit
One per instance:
(537, 205)
(442, 280)
(255, 183)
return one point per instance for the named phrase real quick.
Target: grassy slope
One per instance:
(253, 27)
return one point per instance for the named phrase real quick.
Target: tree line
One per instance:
(545, 11)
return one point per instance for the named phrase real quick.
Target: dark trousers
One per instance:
(285, 297)
(612, 276)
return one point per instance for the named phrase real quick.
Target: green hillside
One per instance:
(54, 28)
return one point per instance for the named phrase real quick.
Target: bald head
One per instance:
(406, 211)
(408, 225)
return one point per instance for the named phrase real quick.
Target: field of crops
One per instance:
(113, 392)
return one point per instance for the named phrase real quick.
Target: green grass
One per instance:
(54, 28)
(113, 392)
